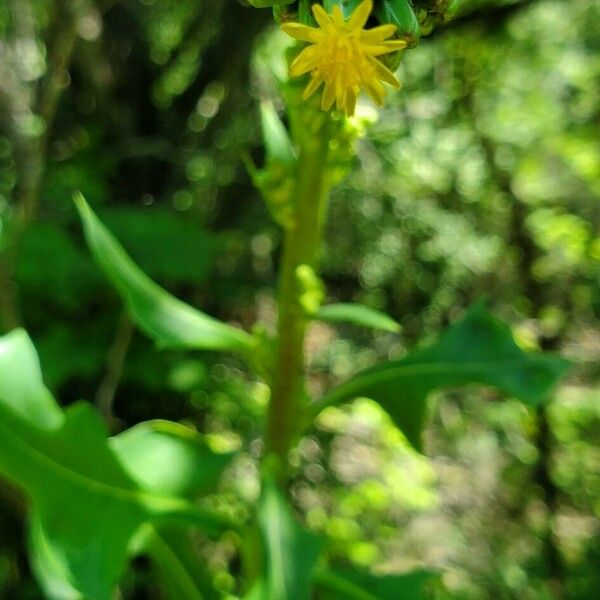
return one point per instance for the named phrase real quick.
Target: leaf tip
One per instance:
(393, 326)
(80, 202)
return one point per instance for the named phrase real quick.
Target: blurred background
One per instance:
(482, 177)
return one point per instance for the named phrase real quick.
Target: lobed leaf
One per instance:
(478, 349)
(86, 505)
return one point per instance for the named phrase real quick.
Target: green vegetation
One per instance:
(273, 353)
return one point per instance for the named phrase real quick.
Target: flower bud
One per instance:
(402, 14)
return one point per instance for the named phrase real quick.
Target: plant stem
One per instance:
(115, 361)
(301, 247)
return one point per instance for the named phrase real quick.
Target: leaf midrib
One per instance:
(133, 496)
(373, 378)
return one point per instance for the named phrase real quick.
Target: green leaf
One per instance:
(277, 141)
(49, 569)
(169, 321)
(169, 458)
(291, 552)
(349, 584)
(452, 8)
(86, 508)
(179, 565)
(401, 14)
(357, 314)
(21, 387)
(257, 592)
(304, 13)
(276, 180)
(477, 349)
(70, 467)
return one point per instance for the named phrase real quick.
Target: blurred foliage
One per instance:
(481, 177)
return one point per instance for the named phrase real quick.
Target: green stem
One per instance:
(301, 247)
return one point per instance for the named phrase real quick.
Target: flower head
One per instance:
(343, 56)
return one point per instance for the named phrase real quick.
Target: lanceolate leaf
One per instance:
(477, 349)
(86, 507)
(169, 321)
(277, 141)
(349, 584)
(291, 552)
(357, 314)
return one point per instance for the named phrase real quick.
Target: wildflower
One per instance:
(342, 56)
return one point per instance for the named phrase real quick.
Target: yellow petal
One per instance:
(321, 16)
(338, 15)
(340, 92)
(306, 61)
(384, 47)
(383, 73)
(377, 34)
(303, 32)
(328, 96)
(312, 87)
(350, 102)
(360, 16)
(375, 90)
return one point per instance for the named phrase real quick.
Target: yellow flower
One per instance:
(342, 56)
